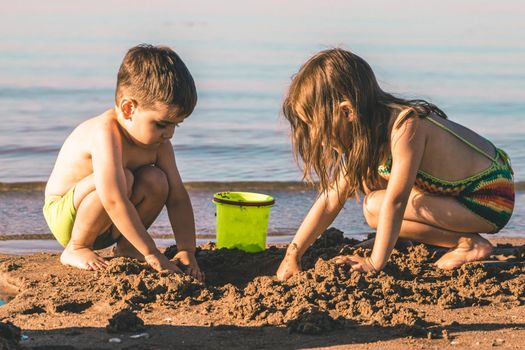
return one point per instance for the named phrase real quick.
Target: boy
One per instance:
(116, 171)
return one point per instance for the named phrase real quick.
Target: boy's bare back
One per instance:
(74, 159)
(75, 162)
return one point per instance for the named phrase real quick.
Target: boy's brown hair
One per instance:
(153, 74)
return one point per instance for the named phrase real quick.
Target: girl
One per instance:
(425, 178)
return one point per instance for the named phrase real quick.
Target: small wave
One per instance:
(16, 150)
(191, 185)
(22, 186)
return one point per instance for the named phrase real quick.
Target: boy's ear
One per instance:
(348, 111)
(127, 106)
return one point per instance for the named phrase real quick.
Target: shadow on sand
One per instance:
(231, 337)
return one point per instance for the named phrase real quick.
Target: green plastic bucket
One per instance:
(242, 220)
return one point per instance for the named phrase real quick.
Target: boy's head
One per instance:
(156, 74)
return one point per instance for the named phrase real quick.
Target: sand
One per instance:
(409, 304)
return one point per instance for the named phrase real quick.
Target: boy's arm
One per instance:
(110, 183)
(178, 204)
(408, 146)
(180, 212)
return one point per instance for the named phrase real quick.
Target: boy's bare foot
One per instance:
(126, 249)
(468, 249)
(82, 258)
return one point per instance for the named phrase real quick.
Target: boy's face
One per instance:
(153, 126)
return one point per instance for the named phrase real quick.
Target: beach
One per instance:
(58, 68)
(241, 305)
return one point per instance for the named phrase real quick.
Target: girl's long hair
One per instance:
(321, 146)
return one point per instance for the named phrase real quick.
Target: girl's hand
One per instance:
(287, 269)
(356, 262)
(290, 264)
(191, 267)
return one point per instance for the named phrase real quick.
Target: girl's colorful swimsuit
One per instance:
(489, 194)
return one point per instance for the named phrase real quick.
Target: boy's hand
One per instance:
(161, 263)
(356, 262)
(290, 264)
(191, 266)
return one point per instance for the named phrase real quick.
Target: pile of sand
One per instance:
(241, 288)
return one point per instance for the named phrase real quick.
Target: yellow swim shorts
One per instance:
(60, 214)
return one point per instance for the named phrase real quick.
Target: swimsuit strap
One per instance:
(435, 122)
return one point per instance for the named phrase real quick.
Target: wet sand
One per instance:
(409, 304)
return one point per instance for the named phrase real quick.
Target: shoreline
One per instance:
(39, 186)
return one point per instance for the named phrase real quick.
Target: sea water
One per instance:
(59, 68)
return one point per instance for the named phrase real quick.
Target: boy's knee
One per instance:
(371, 207)
(154, 179)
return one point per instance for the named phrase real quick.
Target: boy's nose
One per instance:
(168, 134)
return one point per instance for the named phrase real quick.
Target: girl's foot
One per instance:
(83, 258)
(468, 249)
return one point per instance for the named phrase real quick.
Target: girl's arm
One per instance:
(320, 216)
(408, 145)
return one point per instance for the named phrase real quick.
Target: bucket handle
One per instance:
(242, 204)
